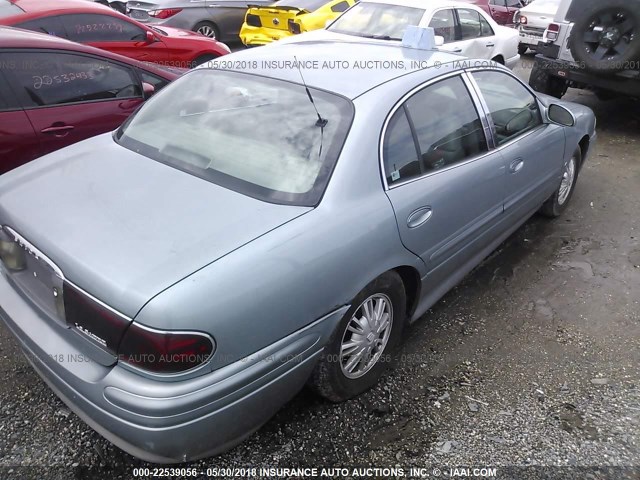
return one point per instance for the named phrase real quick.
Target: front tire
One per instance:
(559, 201)
(202, 59)
(361, 347)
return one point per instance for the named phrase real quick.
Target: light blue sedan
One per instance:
(246, 233)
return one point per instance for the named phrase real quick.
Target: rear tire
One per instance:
(559, 201)
(208, 29)
(341, 373)
(605, 38)
(522, 49)
(542, 82)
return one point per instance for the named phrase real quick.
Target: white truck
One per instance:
(593, 45)
(532, 21)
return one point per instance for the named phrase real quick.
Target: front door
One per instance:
(446, 187)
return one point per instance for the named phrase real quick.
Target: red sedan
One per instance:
(102, 27)
(54, 93)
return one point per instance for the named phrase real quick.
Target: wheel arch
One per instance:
(412, 285)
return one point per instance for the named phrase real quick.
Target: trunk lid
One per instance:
(275, 17)
(124, 227)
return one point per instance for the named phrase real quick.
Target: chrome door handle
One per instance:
(419, 217)
(516, 166)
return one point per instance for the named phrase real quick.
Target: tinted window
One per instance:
(309, 5)
(7, 100)
(157, 82)
(340, 7)
(101, 28)
(259, 136)
(469, 24)
(51, 25)
(377, 19)
(514, 110)
(487, 30)
(445, 124)
(399, 150)
(444, 24)
(50, 78)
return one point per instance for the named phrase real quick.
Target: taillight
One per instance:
(164, 13)
(253, 20)
(294, 27)
(12, 254)
(92, 319)
(523, 20)
(552, 32)
(159, 351)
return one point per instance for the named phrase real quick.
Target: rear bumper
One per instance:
(529, 40)
(255, 36)
(167, 421)
(581, 78)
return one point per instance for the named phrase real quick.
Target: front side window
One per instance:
(444, 24)
(91, 27)
(514, 109)
(445, 129)
(377, 20)
(258, 136)
(514, 4)
(52, 78)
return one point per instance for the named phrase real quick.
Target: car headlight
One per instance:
(12, 254)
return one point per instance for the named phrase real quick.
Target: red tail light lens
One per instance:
(523, 20)
(95, 321)
(164, 13)
(160, 351)
(553, 31)
(294, 27)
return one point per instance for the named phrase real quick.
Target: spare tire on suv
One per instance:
(606, 36)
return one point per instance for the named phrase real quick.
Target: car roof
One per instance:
(17, 38)
(426, 4)
(330, 65)
(38, 7)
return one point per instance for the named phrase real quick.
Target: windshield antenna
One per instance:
(322, 122)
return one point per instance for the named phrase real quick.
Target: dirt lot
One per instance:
(533, 360)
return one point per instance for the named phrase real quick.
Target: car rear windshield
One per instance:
(308, 5)
(9, 9)
(258, 136)
(377, 20)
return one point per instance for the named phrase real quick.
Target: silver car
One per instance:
(245, 234)
(220, 19)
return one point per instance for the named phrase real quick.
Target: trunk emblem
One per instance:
(276, 21)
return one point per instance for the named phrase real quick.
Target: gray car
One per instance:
(244, 234)
(220, 19)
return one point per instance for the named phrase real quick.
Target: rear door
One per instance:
(69, 97)
(115, 34)
(445, 185)
(533, 150)
(18, 140)
(500, 12)
(477, 38)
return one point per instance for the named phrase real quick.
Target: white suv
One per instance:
(591, 45)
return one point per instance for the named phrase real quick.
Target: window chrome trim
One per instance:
(400, 103)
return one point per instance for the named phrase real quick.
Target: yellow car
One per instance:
(263, 25)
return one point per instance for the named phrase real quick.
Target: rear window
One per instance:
(309, 5)
(8, 9)
(377, 20)
(255, 135)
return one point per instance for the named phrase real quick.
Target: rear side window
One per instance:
(9, 9)
(444, 24)
(51, 78)
(50, 25)
(439, 140)
(7, 100)
(85, 28)
(514, 110)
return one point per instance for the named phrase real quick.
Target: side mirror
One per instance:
(147, 90)
(560, 115)
(149, 37)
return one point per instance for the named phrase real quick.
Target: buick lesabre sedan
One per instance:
(246, 233)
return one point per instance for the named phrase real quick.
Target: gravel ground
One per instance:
(532, 361)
